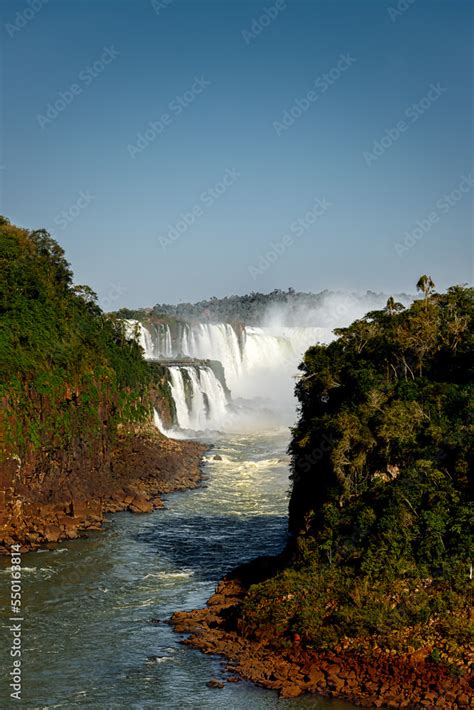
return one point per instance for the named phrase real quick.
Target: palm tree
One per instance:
(426, 285)
(393, 306)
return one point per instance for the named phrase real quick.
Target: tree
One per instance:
(426, 285)
(393, 306)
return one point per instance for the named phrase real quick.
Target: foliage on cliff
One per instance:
(381, 504)
(68, 375)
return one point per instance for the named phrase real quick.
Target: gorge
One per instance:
(366, 599)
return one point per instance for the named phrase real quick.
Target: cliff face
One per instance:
(160, 394)
(48, 499)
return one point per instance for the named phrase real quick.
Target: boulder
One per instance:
(52, 533)
(140, 505)
(290, 691)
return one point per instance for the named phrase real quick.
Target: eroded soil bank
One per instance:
(48, 501)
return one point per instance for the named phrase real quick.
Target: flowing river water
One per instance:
(90, 606)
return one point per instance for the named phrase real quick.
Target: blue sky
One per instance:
(180, 150)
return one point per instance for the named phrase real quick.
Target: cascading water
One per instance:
(157, 422)
(214, 341)
(137, 331)
(258, 364)
(200, 399)
(160, 345)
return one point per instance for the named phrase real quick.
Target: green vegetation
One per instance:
(68, 374)
(247, 309)
(381, 505)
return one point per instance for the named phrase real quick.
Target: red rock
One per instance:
(290, 691)
(464, 701)
(140, 505)
(316, 677)
(338, 683)
(52, 533)
(332, 670)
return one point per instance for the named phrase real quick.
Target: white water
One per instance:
(206, 404)
(262, 350)
(137, 331)
(158, 422)
(260, 371)
(270, 360)
(161, 346)
(214, 341)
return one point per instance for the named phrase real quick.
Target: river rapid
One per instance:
(94, 609)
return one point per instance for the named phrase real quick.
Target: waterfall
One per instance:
(200, 399)
(161, 338)
(261, 351)
(258, 365)
(137, 331)
(157, 421)
(214, 341)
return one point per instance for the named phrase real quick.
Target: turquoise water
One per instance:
(90, 606)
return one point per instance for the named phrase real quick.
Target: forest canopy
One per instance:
(290, 307)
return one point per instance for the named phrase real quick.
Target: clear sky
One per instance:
(312, 144)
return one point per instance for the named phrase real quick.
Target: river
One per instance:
(93, 609)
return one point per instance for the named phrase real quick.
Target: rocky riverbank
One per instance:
(372, 677)
(61, 499)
